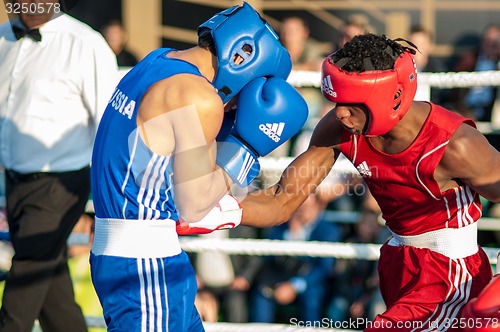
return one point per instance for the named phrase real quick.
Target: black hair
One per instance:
(370, 52)
(206, 41)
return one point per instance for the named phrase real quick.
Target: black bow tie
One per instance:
(33, 33)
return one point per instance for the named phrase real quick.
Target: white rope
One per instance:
(257, 247)
(98, 322)
(260, 247)
(299, 78)
(439, 80)
(259, 327)
(461, 79)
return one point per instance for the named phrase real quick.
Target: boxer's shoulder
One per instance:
(185, 90)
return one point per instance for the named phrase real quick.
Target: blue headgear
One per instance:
(231, 30)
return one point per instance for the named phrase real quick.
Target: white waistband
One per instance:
(135, 238)
(450, 242)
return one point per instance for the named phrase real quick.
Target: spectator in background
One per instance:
(495, 114)
(56, 76)
(356, 24)
(225, 280)
(6, 250)
(424, 40)
(307, 55)
(356, 280)
(116, 37)
(84, 228)
(461, 99)
(481, 99)
(303, 281)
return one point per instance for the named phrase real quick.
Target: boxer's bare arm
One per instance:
(471, 160)
(274, 205)
(180, 117)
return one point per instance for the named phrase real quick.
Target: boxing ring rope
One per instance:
(301, 78)
(258, 247)
(254, 327)
(262, 247)
(98, 322)
(438, 80)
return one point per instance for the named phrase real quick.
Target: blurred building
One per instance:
(155, 23)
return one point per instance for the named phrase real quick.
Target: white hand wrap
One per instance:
(226, 214)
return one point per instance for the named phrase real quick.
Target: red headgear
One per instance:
(374, 88)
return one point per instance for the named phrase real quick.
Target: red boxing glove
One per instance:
(482, 314)
(226, 214)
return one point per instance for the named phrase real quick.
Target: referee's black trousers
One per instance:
(42, 209)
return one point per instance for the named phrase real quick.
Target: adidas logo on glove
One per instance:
(273, 130)
(278, 103)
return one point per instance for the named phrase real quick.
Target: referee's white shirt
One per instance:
(52, 95)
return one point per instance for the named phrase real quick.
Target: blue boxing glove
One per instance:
(269, 112)
(227, 125)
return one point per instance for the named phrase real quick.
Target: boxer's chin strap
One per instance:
(226, 214)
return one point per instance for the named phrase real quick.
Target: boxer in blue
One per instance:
(156, 162)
